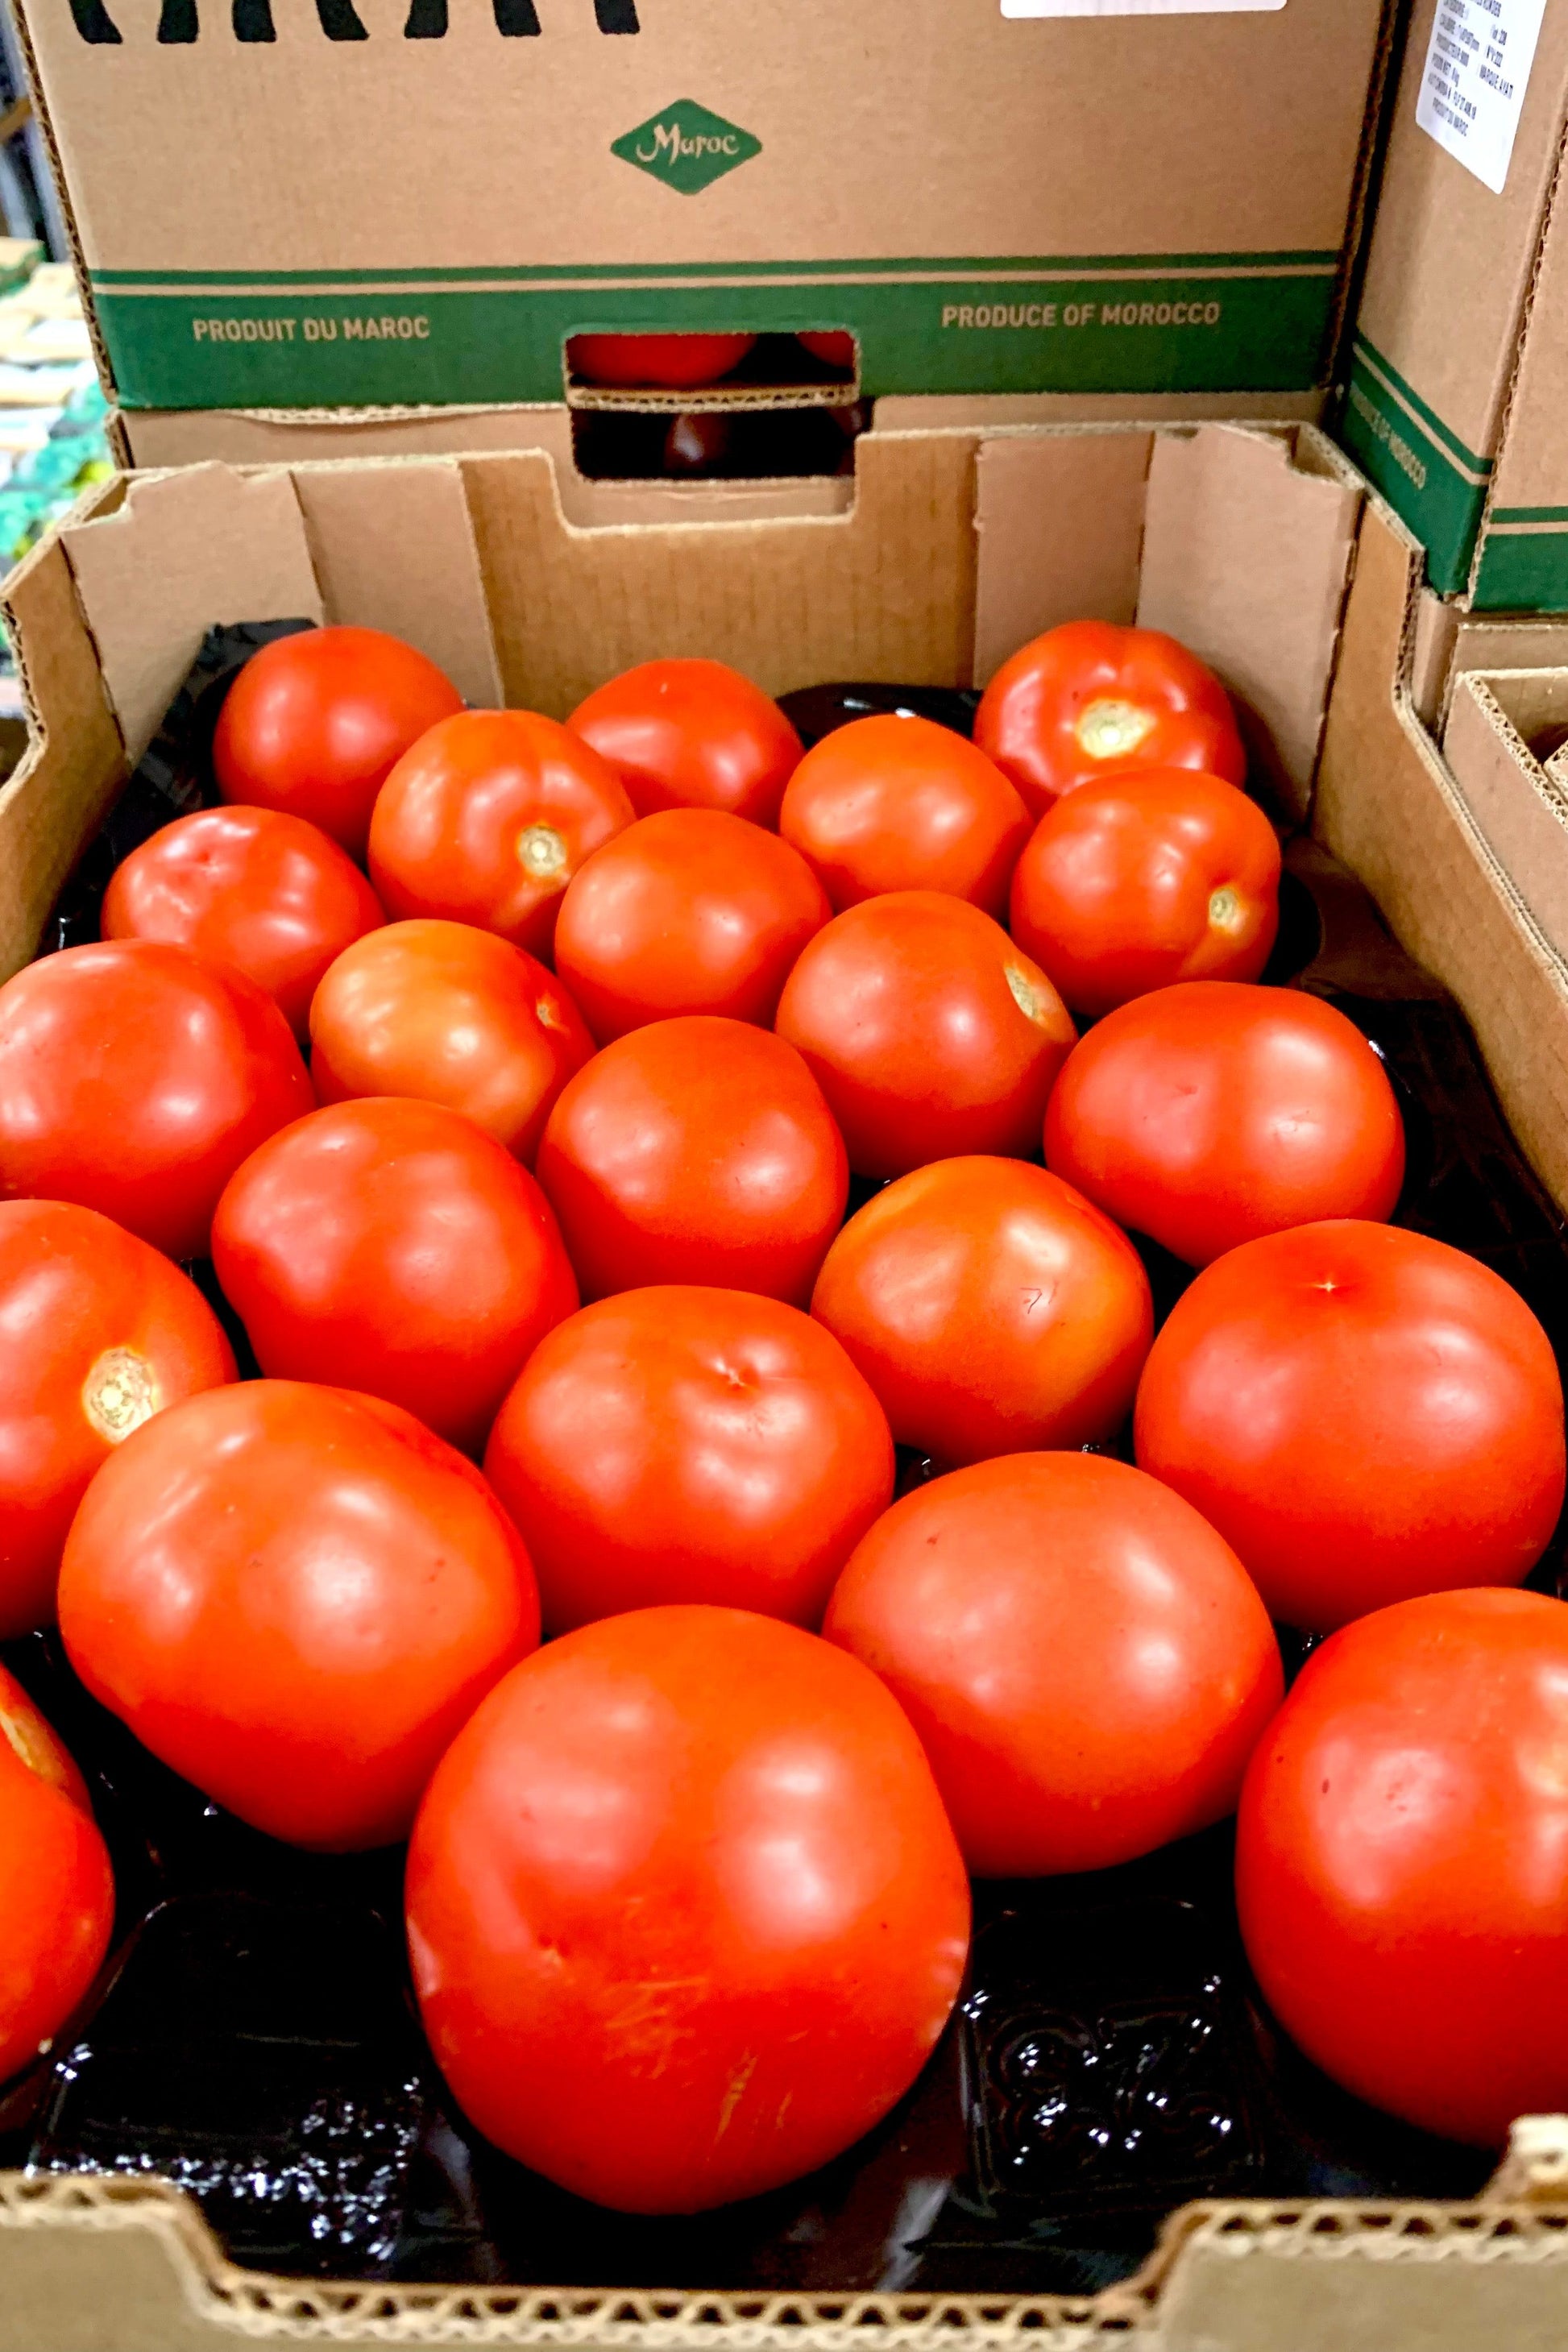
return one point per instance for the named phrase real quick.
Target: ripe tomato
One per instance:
(392, 1246)
(1089, 698)
(57, 1891)
(249, 886)
(487, 818)
(1365, 1413)
(315, 723)
(674, 363)
(722, 1936)
(690, 911)
(692, 734)
(134, 1078)
(100, 1332)
(1400, 1860)
(1147, 879)
(991, 1308)
(896, 802)
(449, 1014)
(928, 1031)
(1209, 1113)
(695, 1150)
(295, 1596)
(835, 346)
(1085, 1661)
(689, 1444)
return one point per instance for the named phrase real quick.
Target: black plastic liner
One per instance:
(254, 2038)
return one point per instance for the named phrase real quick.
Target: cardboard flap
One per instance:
(394, 549)
(1059, 520)
(1247, 558)
(883, 590)
(181, 552)
(1521, 810)
(75, 762)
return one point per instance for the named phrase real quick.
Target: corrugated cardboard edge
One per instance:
(1551, 210)
(1383, 784)
(57, 170)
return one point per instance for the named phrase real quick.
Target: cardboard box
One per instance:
(404, 201)
(1459, 374)
(953, 546)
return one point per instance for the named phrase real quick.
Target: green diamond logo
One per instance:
(687, 146)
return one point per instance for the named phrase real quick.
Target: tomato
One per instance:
(249, 886)
(928, 1031)
(1086, 1663)
(835, 346)
(690, 911)
(695, 1150)
(134, 1078)
(1211, 1112)
(392, 1246)
(57, 1891)
(676, 362)
(295, 1596)
(100, 1333)
(692, 734)
(1400, 1868)
(896, 802)
(722, 1934)
(689, 1444)
(1365, 1413)
(486, 820)
(449, 1014)
(1146, 878)
(1090, 697)
(315, 722)
(991, 1308)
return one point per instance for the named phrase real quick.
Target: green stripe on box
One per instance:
(1433, 482)
(1138, 324)
(1524, 570)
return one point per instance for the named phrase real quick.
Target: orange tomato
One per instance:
(1142, 879)
(486, 820)
(449, 1014)
(689, 911)
(57, 1891)
(1090, 697)
(992, 1309)
(897, 803)
(671, 363)
(692, 734)
(928, 1031)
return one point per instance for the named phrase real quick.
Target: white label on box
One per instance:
(1478, 68)
(1137, 7)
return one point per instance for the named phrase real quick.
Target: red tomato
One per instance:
(689, 1444)
(1209, 1113)
(1144, 879)
(690, 911)
(695, 1150)
(449, 1014)
(135, 1078)
(722, 1934)
(1089, 698)
(487, 818)
(394, 1247)
(1365, 1413)
(249, 886)
(674, 363)
(57, 1892)
(1400, 1861)
(835, 346)
(315, 723)
(928, 1031)
(692, 734)
(1085, 1661)
(295, 1596)
(896, 802)
(100, 1332)
(990, 1308)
